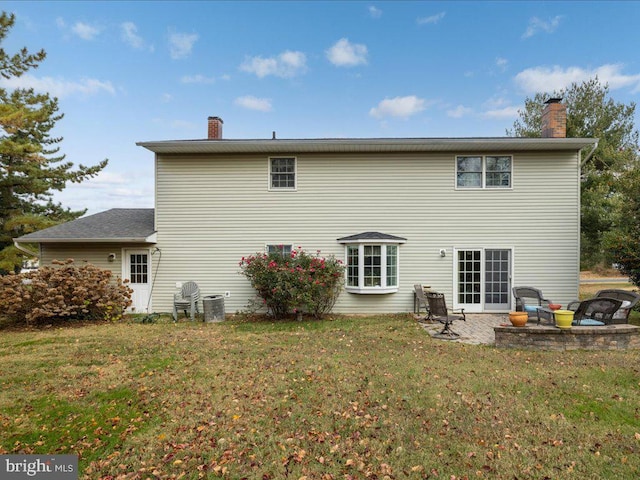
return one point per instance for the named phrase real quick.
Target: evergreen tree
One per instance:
(31, 166)
(591, 113)
(622, 243)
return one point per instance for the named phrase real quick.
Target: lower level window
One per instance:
(372, 268)
(282, 249)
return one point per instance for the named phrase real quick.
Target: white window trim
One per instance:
(484, 171)
(295, 174)
(384, 289)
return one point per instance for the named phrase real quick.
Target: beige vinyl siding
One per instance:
(212, 211)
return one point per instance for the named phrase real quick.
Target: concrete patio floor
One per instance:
(476, 330)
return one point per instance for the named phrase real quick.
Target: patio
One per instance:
(477, 330)
(495, 329)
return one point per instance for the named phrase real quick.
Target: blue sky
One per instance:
(138, 71)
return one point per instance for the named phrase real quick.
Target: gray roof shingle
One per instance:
(128, 225)
(371, 236)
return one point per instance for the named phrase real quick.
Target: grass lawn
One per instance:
(348, 398)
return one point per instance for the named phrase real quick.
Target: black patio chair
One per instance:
(439, 312)
(595, 311)
(629, 300)
(528, 299)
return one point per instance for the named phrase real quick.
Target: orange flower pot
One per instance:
(518, 319)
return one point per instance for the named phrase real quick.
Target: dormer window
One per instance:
(372, 262)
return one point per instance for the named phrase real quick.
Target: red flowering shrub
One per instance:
(63, 292)
(299, 282)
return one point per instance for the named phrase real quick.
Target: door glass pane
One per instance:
(138, 268)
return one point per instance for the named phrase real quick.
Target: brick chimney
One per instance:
(554, 119)
(215, 128)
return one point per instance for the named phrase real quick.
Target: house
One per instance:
(470, 217)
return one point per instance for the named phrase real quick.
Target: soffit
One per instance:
(375, 145)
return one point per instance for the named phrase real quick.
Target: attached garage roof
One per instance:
(365, 145)
(118, 225)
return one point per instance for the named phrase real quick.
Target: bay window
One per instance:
(372, 263)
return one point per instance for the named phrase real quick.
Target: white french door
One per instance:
(483, 279)
(137, 269)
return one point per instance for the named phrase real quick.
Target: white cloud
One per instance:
(130, 35)
(107, 179)
(181, 44)
(166, 97)
(346, 54)
(85, 31)
(398, 107)
(500, 113)
(549, 79)
(502, 63)
(182, 125)
(375, 12)
(432, 20)
(537, 25)
(58, 87)
(253, 103)
(197, 79)
(109, 190)
(459, 111)
(60, 22)
(496, 102)
(287, 64)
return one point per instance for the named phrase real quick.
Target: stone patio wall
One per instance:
(542, 337)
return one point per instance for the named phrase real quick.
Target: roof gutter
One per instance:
(25, 250)
(588, 157)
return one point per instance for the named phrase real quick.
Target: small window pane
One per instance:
(470, 180)
(498, 172)
(469, 164)
(469, 172)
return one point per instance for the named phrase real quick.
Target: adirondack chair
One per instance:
(187, 299)
(421, 301)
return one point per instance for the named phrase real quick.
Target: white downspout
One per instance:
(25, 250)
(588, 157)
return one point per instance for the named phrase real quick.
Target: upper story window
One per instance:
(282, 173)
(489, 171)
(372, 262)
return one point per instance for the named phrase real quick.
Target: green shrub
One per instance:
(65, 291)
(299, 282)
